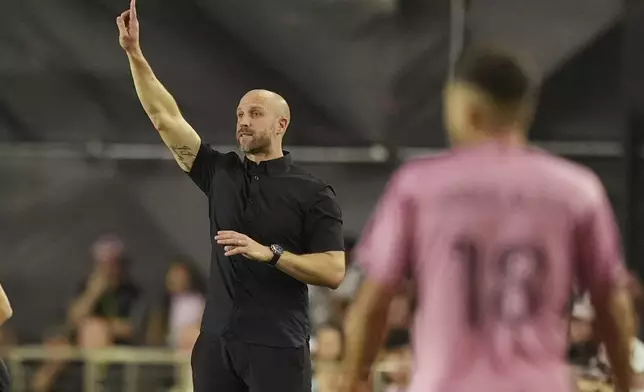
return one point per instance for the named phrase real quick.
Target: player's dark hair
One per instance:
(498, 74)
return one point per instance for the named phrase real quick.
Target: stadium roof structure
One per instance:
(362, 77)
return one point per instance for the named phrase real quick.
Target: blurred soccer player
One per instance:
(495, 234)
(5, 314)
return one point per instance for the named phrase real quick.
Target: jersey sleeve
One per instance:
(203, 167)
(385, 247)
(323, 223)
(599, 255)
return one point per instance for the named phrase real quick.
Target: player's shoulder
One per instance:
(232, 156)
(214, 154)
(567, 171)
(572, 181)
(419, 168)
(309, 182)
(299, 173)
(425, 162)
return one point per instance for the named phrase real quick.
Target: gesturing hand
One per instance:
(240, 244)
(128, 25)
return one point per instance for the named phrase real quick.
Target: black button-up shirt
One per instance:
(273, 202)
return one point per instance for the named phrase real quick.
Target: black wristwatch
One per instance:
(277, 253)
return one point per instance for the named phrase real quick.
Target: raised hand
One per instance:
(240, 244)
(128, 25)
(97, 284)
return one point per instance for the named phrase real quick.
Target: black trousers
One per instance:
(222, 364)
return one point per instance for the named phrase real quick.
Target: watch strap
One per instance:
(277, 254)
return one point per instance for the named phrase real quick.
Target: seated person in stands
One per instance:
(108, 308)
(176, 320)
(397, 357)
(57, 373)
(327, 348)
(330, 306)
(5, 314)
(329, 343)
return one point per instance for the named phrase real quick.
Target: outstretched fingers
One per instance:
(232, 241)
(133, 9)
(237, 250)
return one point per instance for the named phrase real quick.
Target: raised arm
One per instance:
(160, 106)
(5, 307)
(83, 305)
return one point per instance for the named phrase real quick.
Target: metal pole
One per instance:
(632, 166)
(378, 382)
(459, 35)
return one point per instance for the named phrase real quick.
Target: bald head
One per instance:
(262, 119)
(271, 100)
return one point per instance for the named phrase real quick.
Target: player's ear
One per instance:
(283, 124)
(474, 116)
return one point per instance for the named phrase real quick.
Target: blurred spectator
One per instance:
(94, 333)
(329, 343)
(108, 303)
(57, 373)
(397, 354)
(328, 346)
(583, 347)
(590, 357)
(8, 339)
(329, 306)
(176, 320)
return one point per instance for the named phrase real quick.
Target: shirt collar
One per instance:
(272, 166)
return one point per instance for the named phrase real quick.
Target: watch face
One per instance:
(277, 249)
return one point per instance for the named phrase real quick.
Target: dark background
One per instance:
(79, 157)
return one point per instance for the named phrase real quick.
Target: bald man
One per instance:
(274, 230)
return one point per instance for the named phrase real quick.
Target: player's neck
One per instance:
(507, 137)
(271, 153)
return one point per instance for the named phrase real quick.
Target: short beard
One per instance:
(259, 145)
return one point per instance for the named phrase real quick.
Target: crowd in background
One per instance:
(588, 357)
(110, 309)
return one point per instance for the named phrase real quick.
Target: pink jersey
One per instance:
(495, 237)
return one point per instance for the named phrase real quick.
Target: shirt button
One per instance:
(256, 178)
